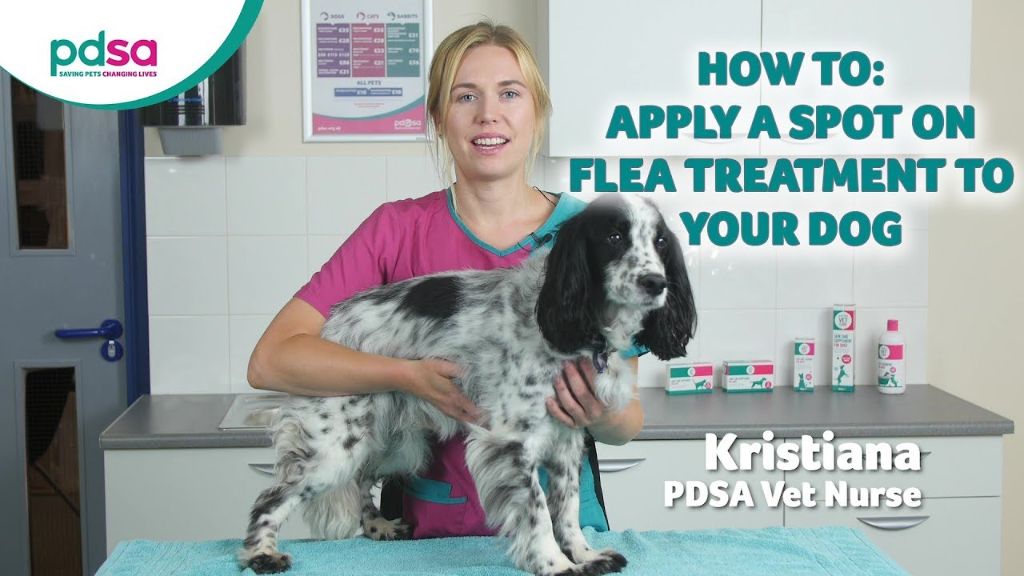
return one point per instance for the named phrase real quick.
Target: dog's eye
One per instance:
(614, 238)
(660, 242)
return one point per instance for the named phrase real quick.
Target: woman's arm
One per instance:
(574, 404)
(292, 357)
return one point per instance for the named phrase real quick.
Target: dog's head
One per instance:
(618, 253)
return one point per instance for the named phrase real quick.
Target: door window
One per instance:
(37, 127)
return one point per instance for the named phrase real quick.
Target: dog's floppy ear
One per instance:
(566, 306)
(670, 328)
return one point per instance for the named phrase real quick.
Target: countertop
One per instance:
(191, 420)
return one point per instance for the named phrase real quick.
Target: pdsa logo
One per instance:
(98, 52)
(112, 55)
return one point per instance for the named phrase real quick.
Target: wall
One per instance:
(974, 283)
(232, 237)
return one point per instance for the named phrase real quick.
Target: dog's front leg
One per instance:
(511, 496)
(564, 502)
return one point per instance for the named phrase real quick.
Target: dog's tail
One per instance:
(334, 514)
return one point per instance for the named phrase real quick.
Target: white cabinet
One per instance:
(956, 530)
(596, 54)
(925, 46)
(603, 53)
(633, 481)
(945, 536)
(187, 494)
(951, 467)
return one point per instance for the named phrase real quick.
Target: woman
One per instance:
(487, 105)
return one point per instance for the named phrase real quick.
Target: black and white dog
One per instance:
(614, 276)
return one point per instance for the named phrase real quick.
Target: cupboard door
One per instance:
(633, 481)
(951, 466)
(602, 53)
(187, 494)
(925, 46)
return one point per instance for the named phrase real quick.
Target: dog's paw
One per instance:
(383, 529)
(603, 562)
(270, 563)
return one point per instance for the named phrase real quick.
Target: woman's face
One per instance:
(491, 119)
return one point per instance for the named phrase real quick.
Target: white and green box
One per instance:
(803, 364)
(690, 378)
(844, 329)
(749, 375)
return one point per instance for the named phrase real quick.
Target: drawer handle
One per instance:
(894, 522)
(267, 469)
(618, 465)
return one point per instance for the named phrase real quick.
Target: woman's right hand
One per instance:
(432, 381)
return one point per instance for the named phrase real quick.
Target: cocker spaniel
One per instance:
(614, 277)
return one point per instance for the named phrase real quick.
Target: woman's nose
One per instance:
(488, 110)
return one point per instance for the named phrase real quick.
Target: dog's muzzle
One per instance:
(652, 284)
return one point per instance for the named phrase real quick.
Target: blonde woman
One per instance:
(487, 105)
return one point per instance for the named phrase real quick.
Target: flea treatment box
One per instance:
(690, 378)
(749, 375)
(844, 327)
(803, 364)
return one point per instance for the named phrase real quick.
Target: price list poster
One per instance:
(364, 75)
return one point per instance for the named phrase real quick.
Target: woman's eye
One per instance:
(615, 238)
(465, 98)
(510, 94)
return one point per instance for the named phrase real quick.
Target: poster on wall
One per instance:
(364, 73)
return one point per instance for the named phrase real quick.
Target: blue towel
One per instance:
(825, 551)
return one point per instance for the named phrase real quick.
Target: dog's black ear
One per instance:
(566, 306)
(670, 328)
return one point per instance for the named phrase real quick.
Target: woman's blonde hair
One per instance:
(445, 64)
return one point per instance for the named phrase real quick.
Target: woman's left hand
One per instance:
(574, 403)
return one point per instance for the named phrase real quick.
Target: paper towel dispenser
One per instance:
(189, 121)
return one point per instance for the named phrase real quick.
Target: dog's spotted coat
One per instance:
(615, 275)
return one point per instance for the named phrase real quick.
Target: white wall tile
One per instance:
(737, 277)
(187, 276)
(343, 191)
(736, 335)
(245, 332)
(266, 195)
(792, 324)
(538, 176)
(914, 327)
(264, 272)
(411, 177)
(185, 196)
(815, 276)
(321, 248)
(892, 277)
(188, 354)
(556, 173)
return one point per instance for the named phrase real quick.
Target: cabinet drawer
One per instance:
(943, 536)
(186, 494)
(950, 467)
(633, 481)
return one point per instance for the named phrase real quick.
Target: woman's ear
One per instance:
(670, 328)
(566, 304)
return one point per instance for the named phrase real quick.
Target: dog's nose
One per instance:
(653, 284)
